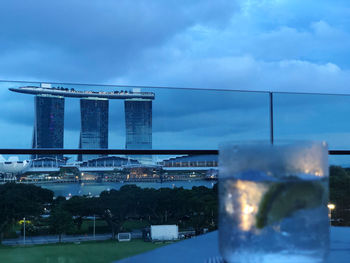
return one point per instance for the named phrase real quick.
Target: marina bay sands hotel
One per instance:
(94, 107)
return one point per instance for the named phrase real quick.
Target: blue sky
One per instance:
(294, 45)
(275, 45)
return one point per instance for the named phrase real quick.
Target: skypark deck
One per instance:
(65, 92)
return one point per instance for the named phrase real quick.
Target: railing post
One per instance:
(271, 118)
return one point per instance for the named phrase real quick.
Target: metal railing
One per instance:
(271, 120)
(129, 152)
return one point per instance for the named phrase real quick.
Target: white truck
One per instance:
(164, 232)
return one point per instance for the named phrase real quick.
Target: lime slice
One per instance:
(283, 199)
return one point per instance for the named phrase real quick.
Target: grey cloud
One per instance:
(93, 41)
(247, 73)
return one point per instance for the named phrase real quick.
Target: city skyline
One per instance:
(94, 111)
(195, 119)
(229, 45)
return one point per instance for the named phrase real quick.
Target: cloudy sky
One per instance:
(262, 45)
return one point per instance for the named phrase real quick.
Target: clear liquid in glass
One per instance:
(280, 220)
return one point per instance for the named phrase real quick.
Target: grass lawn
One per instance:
(94, 252)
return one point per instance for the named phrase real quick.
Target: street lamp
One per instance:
(331, 207)
(24, 230)
(94, 226)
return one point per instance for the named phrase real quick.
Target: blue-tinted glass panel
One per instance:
(136, 118)
(314, 117)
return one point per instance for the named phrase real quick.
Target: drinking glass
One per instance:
(273, 202)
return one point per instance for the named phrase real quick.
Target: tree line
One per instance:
(196, 208)
(339, 186)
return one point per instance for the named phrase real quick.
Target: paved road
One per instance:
(54, 239)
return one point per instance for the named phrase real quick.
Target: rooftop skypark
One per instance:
(65, 92)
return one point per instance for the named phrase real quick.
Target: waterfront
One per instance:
(71, 189)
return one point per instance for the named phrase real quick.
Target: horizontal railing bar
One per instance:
(128, 152)
(339, 152)
(106, 151)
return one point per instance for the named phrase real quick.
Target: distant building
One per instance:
(192, 166)
(138, 124)
(13, 165)
(94, 125)
(46, 162)
(48, 123)
(142, 172)
(49, 118)
(109, 161)
(193, 161)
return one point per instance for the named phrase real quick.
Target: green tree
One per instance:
(21, 200)
(339, 184)
(78, 207)
(187, 208)
(60, 221)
